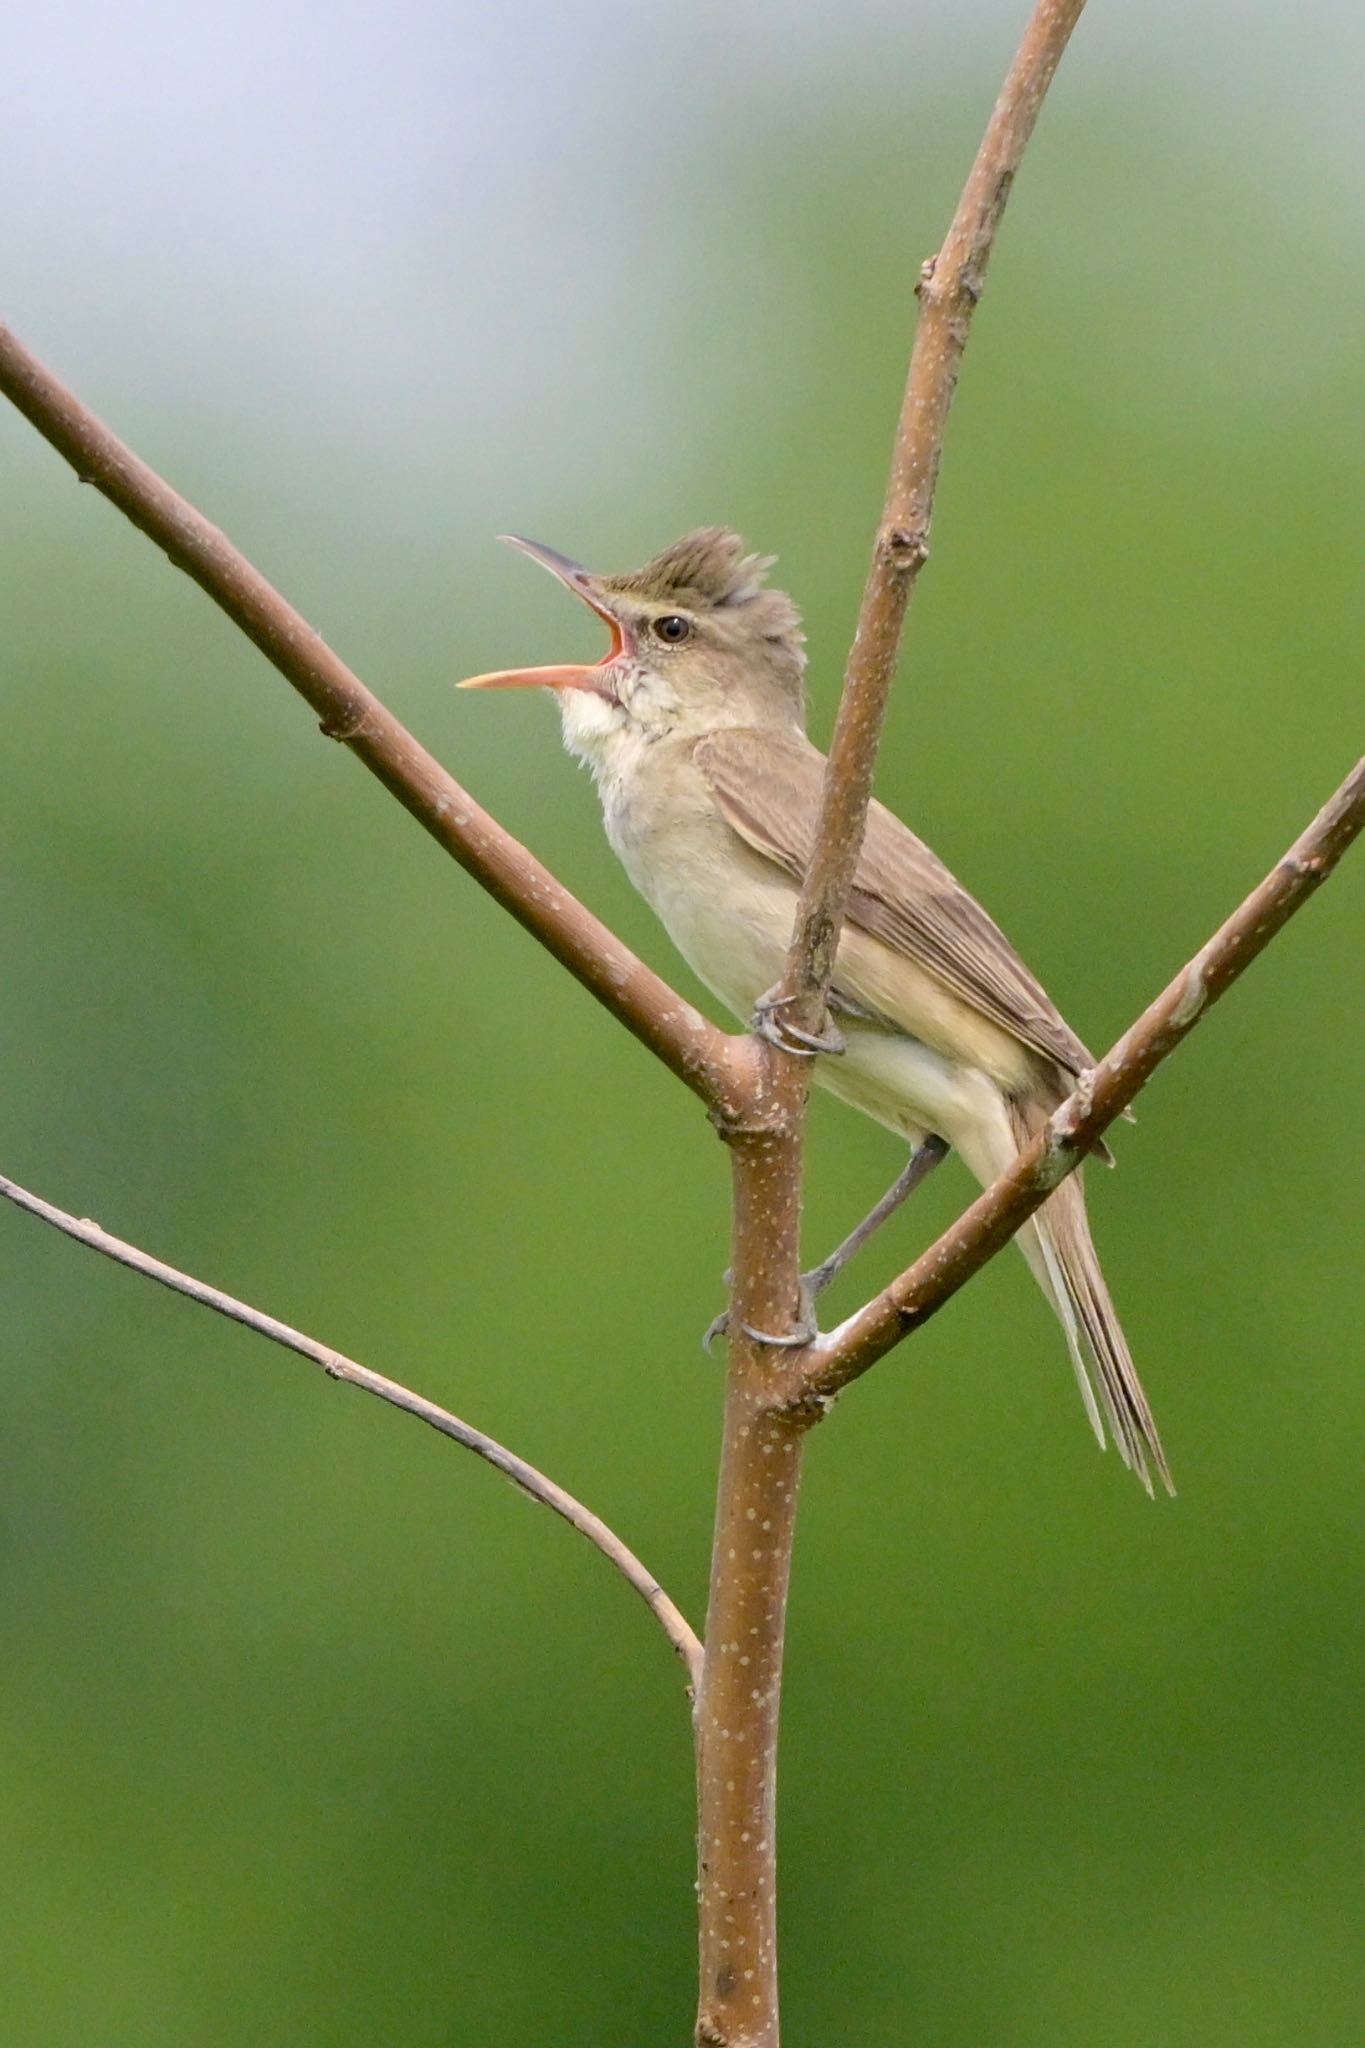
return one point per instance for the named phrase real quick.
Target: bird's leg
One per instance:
(921, 1163)
(768, 1022)
(918, 1167)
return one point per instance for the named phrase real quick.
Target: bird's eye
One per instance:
(672, 628)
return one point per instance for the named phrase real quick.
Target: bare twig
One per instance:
(950, 286)
(339, 1367)
(1103, 1094)
(672, 1029)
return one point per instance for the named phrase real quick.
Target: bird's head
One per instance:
(697, 641)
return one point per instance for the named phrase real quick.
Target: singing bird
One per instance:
(694, 728)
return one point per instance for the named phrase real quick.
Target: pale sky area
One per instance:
(252, 207)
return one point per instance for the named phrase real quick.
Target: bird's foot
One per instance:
(717, 1328)
(769, 1023)
(806, 1332)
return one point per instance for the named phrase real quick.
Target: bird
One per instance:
(693, 726)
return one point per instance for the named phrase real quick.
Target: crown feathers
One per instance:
(711, 569)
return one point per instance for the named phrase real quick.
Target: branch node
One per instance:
(810, 1406)
(1058, 1153)
(904, 548)
(346, 723)
(736, 1124)
(1074, 1111)
(1193, 995)
(749, 1107)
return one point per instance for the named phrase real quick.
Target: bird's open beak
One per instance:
(566, 675)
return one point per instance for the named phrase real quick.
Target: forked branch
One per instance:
(338, 1367)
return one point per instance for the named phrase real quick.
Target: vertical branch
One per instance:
(741, 1687)
(949, 287)
(738, 1701)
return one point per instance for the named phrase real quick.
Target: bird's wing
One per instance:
(768, 787)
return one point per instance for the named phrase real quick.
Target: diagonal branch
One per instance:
(674, 1031)
(950, 286)
(1103, 1094)
(338, 1367)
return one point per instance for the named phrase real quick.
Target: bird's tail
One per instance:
(1059, 1248)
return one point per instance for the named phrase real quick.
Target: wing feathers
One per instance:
(768, 787)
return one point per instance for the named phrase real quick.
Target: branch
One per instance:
(738, 1702)
(949, 287)
(1082, 1119)
(687, 1043)
(339, 1367)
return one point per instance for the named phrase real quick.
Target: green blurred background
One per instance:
(312, 1730)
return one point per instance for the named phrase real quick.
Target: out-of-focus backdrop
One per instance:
(312, 1730)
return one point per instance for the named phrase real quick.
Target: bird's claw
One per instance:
(717, 1327)
(806, 1332)
(769, 1024)
(792, 1340)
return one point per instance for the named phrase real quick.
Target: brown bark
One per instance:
(739, 1698)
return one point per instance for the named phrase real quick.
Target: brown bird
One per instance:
(693, 725)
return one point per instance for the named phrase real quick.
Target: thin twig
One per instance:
(949, 289)
(674, 1031)
(339, 1367)
(1082, 1119)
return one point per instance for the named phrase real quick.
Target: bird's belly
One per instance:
(912, 1089)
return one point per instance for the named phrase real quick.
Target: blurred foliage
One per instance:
(312, 1731)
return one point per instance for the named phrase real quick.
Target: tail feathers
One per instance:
(1063, 1256)
(1098, 1346)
